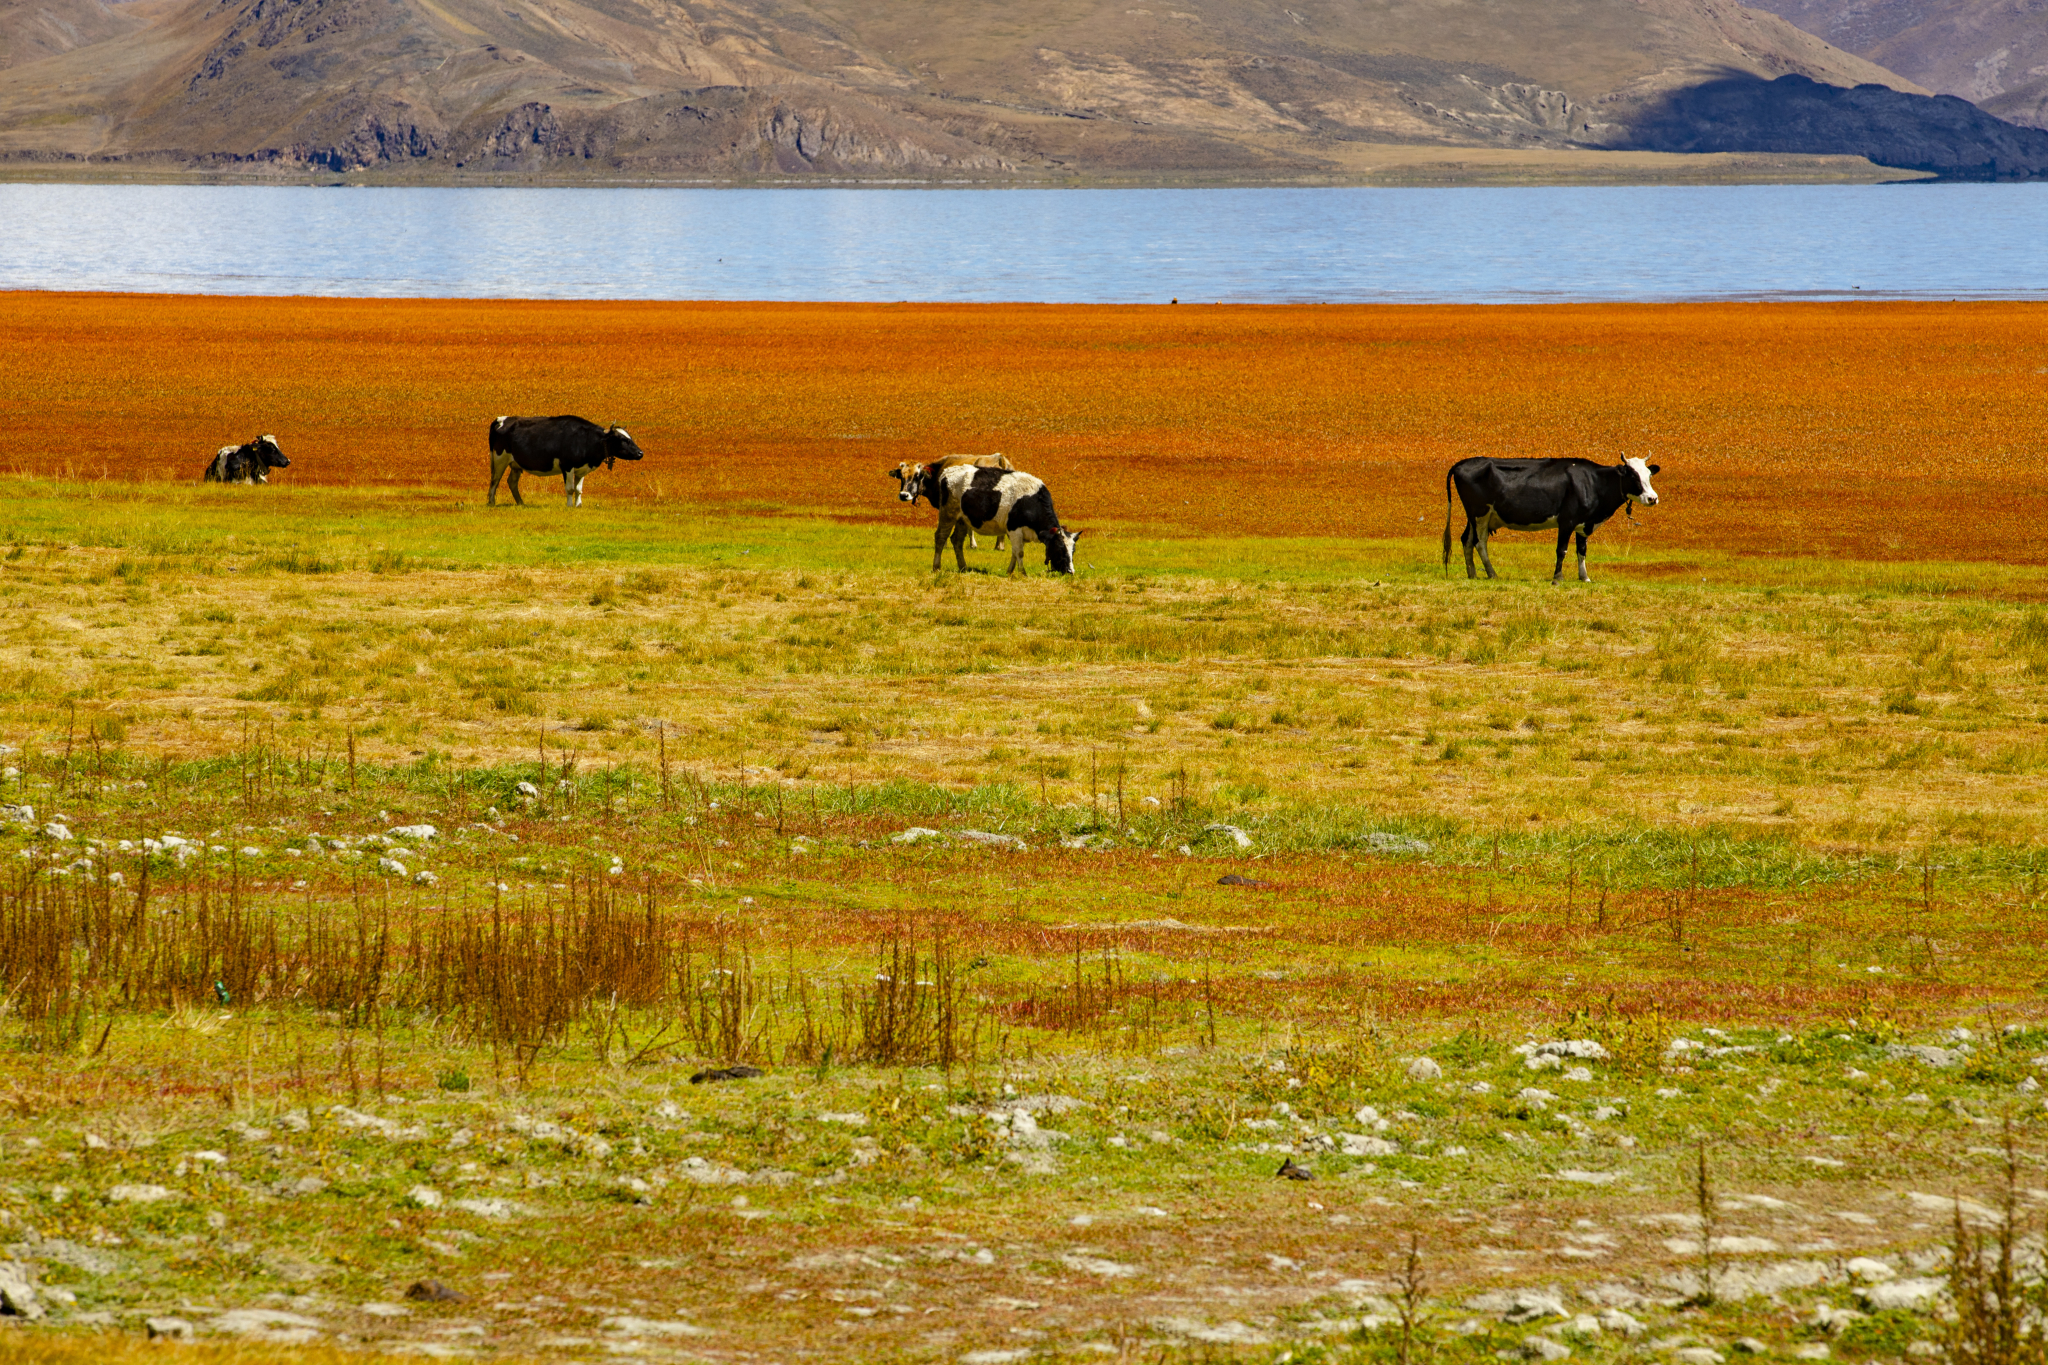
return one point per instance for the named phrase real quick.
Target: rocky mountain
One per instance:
(1991, 52)
(949, 88)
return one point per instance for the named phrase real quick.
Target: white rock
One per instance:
(1870, 1270)
(419, 833)
(1237, 836)
(652, 1327)
(391, 866)
(385, 1310)
(1915, 1294)
(1543, 1061)
(982, 836)
(499, 1209)
(1578, 1073)
(1096, 1265)
(1584, 1327)
(1539, 1348)
(1424, 1069)
(424, 878)
(1931, 1056)
(1590, 1177)
(1359, 1144)
(1534, 1098)
(1814, 1350)
(851, 1120)
(61, 833)
(527, 789)
(168, 1329)
(915, 834)
(425, 1196)
(1614, 1320)
(139, 1194)
(268, 1325)
(1697, 1355)
(17, 1293)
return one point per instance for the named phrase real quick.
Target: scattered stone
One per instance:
(1870, 1270)
(1931, 1056)
(1590, 1177)
(1913, 1294)
(1624, 1324)
(419, 833)
(1232, 879)
(652, 1327)
(1360, 1144)
(433, 1291)
(1583, 1328)
(1537, 1348)
(1424, 1069)
(982, 836)
(1380, 841)
(305, 1187)
(424, 1196)
(385, 1310)
(1518, 1306)
(17, 1295)
(167, 1329)
(1698, 1355)
(1815, 1350)
(727, 1073)
(139, 1194)
(1289, 1171)
(1831, 1319)
(269, 1325)
(1237, 836)
(915, 834)
(54, 830)
(391, 866)
(1749, 1346)
(1096, 1265)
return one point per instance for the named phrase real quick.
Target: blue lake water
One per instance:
(1053, 246)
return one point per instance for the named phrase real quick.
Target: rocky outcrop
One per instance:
(1939, 133)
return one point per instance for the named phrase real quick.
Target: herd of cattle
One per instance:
(987, 494)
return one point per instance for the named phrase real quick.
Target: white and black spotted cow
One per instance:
(1573, 496)
(248, 463)
(971, 498)
(569, 446)
(910, 479)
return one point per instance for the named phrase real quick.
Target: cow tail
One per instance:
(1449, 514)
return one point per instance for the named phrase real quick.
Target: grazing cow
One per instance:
(1574, 496)
(249, 463)
(569, 446)
(910, 480)
(975, 499)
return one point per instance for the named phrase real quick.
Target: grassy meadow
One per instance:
(382, 868)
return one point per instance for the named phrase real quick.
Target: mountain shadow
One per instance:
(1949, 137)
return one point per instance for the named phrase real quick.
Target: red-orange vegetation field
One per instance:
(1889, 431)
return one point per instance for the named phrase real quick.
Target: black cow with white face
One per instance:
(970, 498)
(569, 446)
(1572, 496)
(248, 463)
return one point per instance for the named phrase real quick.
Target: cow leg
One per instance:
(1016, 553)
(939, 542)
(572, 488)
(1584, 577)
(1468, 540)
(960, 545)
(1486, 554)
(512, 482)
(1564, 541)
(497, 473)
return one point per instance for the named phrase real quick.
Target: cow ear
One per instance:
(1076, 534)
(1656, 468)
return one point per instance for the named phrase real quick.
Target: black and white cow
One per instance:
(1573, 496)
(910, 479)
(250, 463)
(569, 446)
(970, 498)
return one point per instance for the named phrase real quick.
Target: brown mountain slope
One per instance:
(1991, 52)
(954, 87)
(33, 29)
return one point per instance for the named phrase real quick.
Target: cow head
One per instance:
(267, 451)
(1059, 549)
(909, 481)
(619, 446)
(1636, 473)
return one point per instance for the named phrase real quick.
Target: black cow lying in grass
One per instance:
(249, 463)
(970, 498)
(569, 446)
(1574, 496)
